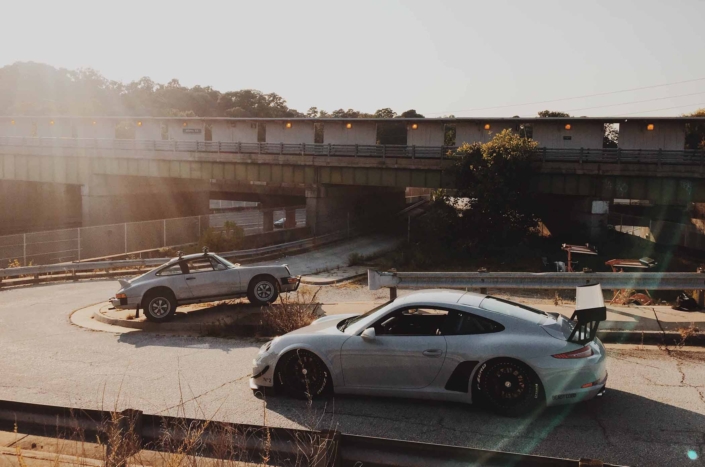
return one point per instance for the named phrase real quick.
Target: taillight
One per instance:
(121, 295)
(583, 352)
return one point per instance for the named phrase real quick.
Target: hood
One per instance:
(322, 325)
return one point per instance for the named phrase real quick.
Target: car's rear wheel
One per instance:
(159, 305)
(262, 290)
(510, 387)
(302, 374)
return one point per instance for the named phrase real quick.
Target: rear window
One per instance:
(516, 310)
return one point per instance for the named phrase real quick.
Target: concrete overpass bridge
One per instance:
(58, 163)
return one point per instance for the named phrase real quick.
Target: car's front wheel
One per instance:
(262, 290)
(510, 387)
(302, 374)
(159, 305)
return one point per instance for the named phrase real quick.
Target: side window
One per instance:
(412, 322)
(467, 323)
(171, 270)
(199, 265)
(217, 265)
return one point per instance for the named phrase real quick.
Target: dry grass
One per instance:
(293, 311)
(181, 442)
(690, 331)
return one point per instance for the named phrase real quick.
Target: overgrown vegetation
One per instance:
(227, 239)
(291, 312)
(355, 259)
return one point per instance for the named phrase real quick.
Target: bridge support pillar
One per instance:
(267, 220)
(575, 216)
(290, 215)
(331, 208)
(112, 199)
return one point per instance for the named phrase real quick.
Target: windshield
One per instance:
(345, 324)
(225, 262)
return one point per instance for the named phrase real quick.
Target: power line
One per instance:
(636, 102)
(571, 98)
(665, 108)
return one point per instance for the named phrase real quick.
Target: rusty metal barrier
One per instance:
(125, 433)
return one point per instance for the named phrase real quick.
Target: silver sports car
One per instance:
(201, 278)
(446, 345)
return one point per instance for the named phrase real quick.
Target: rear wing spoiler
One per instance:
(589, 311)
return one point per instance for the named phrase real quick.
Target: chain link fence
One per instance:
(58, 246)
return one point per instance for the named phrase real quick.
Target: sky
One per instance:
(465, 58)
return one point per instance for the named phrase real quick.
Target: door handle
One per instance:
(190, 278)
(433, 352)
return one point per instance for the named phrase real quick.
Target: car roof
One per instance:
(443, 296)
(191, 256)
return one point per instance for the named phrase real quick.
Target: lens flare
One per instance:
(692, 455)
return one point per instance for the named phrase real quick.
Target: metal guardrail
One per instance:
(125, 433)
(545, 280)
(604, 155)
(73, 268)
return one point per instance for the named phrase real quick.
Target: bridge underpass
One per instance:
(124, 180)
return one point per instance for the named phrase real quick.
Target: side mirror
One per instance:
(368, 334)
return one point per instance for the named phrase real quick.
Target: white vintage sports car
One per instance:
(199, 278)
(445, 345)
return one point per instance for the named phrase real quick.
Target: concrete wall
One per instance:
(586, 134)
(426, 134)
(475, 133)
(242, 131)
(150, 130)
(108, 199)
(36, 206)
(360, 133)
(177, 128)
(98, 128)
(333, 208)
(300, 132)
(665, 135)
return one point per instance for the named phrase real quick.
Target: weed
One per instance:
(690, 331)
(293, 311)
(355, 259)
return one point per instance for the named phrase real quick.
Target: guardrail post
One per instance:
(658, 158)
(24, 249)
(384, 151)
(356, 150)
(281, 148)
(619, 155)
(413, 151)
(330, 450)
(239, 147)
(303, 149)
(164, 230)
(79, 243)
(392, 293)
(581, 155)
(259, 148)
(328, 149)
(543, 156)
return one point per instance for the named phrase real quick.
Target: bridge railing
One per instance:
(544, 154)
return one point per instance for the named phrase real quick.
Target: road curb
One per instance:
(200, 329)
(649, 338)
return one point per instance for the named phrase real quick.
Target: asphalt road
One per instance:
(653, 414)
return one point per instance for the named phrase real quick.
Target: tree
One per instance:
(492, 179)
(552, 113)
(695, 132)
(611, 136)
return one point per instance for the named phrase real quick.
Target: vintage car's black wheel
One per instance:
(510, 387)
(159, 305)
(302, 375)
(262, 290)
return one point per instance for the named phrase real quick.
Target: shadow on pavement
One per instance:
(620, 427)
(140, 339)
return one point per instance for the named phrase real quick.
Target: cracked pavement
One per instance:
(652, 415)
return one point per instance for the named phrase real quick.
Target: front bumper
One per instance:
(263, 368)
(287, 285)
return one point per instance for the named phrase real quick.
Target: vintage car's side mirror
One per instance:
(368, 334)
